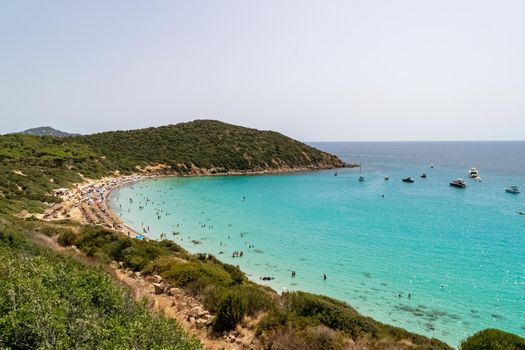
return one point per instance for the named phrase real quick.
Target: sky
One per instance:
(352, 70)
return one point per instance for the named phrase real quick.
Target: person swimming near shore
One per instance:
(324, 276)
(293, 273)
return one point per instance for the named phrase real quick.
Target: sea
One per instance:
(437, 260)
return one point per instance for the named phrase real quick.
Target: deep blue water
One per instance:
(459, 253)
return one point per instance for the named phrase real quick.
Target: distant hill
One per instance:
(47, 131)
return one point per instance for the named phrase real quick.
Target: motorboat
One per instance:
(387, 178)
(408, 179)
(460, 183)
(513, 189)
(473, 173)
(423, 175)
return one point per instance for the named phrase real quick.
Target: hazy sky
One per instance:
(314, 70)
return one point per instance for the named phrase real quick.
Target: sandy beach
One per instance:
(86, 203)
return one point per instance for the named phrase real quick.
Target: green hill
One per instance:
(207, 144)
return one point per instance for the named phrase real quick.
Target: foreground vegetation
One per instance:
(51, 301)
(493, 339)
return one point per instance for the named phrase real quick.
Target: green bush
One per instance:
(230, 311)
(197, 275)
(66, 238)
(331, 313)
(493, 339)
(310, 338)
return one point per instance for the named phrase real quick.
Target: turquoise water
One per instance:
(459, 253)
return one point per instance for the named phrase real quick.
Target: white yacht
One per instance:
(473, 173)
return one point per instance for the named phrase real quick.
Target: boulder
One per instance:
(121, 264)
(158, 288)
(129, 273)
(114, 265)
(158, 279)
(137, 274)
(197, 311)
(151, 279)
(200, 323)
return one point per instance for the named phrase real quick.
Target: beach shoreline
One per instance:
(87, 202)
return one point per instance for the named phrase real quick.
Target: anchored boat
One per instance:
(460, 183)
(513, 189)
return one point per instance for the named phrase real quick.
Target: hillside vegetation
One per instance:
(52, 301)
(207, 144)
(32, 166)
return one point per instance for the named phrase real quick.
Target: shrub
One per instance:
(331, 313)
(195, 276)
(66, 238)
(311, 338)
(230, 311)
(493, 339)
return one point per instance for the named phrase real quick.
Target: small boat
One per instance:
(423, 175)
(513, 189)
(361, 178)
(473, 173)
(477, 179)
(387, 178)
(460, 183)
(335, 174)
(408, 179)
(431, 166)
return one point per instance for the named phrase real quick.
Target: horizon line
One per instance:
(364, 141)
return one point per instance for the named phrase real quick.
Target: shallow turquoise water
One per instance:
(460, 254)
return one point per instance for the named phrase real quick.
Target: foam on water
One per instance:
(460, 254)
